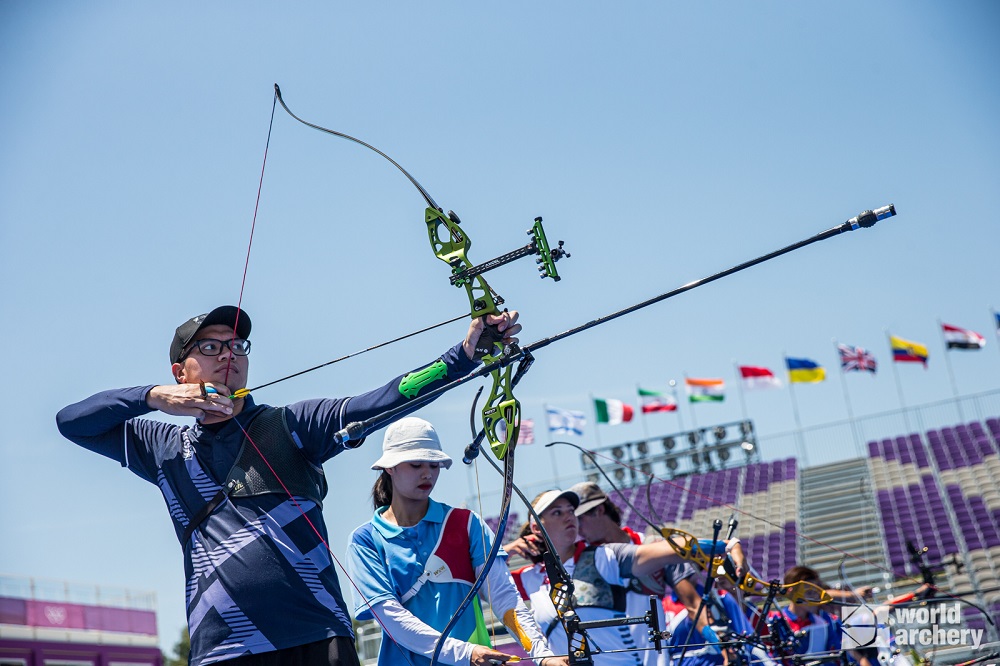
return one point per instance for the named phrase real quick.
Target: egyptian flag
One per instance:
(959, 338)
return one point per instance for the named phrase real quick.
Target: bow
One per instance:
(692, 549)
(561, 590)
(801, 592)
(501, 412)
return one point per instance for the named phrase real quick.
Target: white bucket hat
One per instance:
(411, 440)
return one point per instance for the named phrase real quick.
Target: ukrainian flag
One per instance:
(802, 370)
(905, 351)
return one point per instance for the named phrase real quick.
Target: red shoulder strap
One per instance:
(516, 574)
(454, 545)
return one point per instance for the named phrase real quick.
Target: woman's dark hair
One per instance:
(612, 511)
(382, 490)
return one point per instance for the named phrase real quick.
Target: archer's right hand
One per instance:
(192, 400)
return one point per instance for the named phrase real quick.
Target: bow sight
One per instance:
(461, 274)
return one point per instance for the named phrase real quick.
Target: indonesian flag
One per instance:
(959, 338)
(612, 412)
(758, 377)
(656, 401)
(705, 390)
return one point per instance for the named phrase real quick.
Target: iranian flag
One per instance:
(960, 338)
(705, 390)
(656, 401)
(613, 412)
(757, 377)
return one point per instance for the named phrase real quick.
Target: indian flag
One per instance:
(705, 390)
(613, 412)
(656, 401)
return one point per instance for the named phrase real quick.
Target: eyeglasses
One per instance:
(210, 347)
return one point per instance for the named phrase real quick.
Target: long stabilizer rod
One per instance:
(354, 432)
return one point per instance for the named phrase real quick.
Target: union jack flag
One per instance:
(856, 359)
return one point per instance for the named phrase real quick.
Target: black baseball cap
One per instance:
(226, 315)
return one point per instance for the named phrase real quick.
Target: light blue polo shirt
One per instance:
(386, 561)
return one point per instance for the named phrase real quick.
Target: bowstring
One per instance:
(319, 536)
(239, 310)
(485, 539)
(253, 227)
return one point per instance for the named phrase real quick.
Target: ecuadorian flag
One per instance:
(904, 351)
(802, 370)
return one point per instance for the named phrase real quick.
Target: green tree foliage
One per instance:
(182, 650)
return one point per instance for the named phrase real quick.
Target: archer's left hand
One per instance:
(506, 323)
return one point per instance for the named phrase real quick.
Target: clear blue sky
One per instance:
(662, 141)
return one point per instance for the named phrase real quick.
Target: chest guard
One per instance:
(450, 561)
(251, 476)
(591, 588)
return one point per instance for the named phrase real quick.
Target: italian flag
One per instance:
(656, 401)
(613, 412)
(705, 390)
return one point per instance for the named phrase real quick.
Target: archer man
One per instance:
(244, 487)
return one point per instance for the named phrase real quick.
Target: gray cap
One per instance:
(590, 495)
(411, 440)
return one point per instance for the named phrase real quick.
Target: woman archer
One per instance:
(416, 559)
(600, 576)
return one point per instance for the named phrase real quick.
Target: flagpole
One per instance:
(680, 417)
(951, 371)
(795, 412)
(597, 424)
(847, 401)
(552, 453)
(694, 417)
(739, 385)
(899, 385)
(642, 411)
(995, 322)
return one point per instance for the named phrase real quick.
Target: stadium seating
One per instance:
(513, 526)
(767, 491)
(939, 490)
(918, 506)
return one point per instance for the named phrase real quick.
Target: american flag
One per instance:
(527, 433)
(856, 359)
